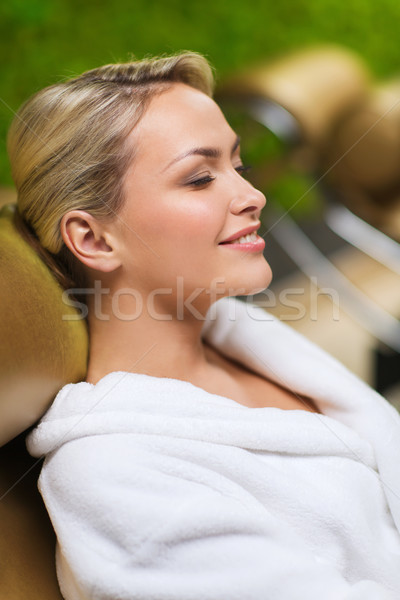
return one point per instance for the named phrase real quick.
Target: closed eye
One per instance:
(201, 181)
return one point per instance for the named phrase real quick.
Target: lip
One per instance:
(239, 234)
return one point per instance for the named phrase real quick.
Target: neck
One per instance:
(158, 341)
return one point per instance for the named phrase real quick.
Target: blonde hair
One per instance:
(67, 144)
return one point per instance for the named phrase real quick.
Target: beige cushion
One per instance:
(39, 351)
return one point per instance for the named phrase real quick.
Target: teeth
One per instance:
(245, 239)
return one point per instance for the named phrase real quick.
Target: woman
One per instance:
(211, 452)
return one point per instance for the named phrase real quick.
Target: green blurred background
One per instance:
(43, 41)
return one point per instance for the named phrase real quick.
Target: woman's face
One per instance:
(184, 196)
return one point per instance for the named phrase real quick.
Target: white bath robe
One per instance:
(159, 490)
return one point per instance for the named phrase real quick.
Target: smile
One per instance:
(250, 243)
(244, 239)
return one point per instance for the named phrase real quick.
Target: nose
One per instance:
(247, 199)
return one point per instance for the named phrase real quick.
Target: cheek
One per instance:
(195, 223)
(172, 223)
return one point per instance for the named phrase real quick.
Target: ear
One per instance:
(91, 241)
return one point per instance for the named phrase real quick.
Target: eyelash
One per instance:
(241, 169)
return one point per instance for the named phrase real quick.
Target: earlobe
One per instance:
(88, 239)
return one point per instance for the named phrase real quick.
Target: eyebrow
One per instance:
(207, 152)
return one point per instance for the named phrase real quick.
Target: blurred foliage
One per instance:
(43, 41)
(259, 146)
(296, 192)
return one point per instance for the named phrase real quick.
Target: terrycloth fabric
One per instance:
(159, 490)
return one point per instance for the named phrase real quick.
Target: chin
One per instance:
(261, 280)
(253, 283)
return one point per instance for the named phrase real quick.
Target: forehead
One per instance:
(180, 118)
